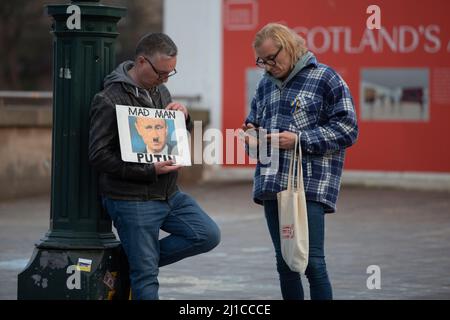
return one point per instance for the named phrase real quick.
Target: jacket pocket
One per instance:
(306, 112)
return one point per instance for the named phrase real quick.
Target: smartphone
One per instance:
(250, 131)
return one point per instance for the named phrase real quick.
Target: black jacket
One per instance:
(119, 179)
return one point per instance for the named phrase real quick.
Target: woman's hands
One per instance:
(286, 139)
(251, 134)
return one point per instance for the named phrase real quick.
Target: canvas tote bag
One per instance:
(293, 218)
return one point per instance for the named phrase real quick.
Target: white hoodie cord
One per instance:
(146, 91)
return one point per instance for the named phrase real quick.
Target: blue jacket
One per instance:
(314, 102)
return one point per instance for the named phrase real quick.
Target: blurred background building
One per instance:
(26, 85)
(399, 77)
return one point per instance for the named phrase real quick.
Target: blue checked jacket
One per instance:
(314, 102)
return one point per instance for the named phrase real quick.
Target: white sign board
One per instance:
(152, 135)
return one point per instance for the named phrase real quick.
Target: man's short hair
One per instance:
(153, 43)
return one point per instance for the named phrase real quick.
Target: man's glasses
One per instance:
(161, 75)
(260, 62)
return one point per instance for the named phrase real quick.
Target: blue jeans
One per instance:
(316, 272)
(138, 224)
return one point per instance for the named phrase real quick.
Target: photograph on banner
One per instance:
(397, 94)
(152, 135)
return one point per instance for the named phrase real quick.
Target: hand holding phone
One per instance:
(250, 134)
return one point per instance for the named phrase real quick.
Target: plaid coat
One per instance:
(314, 102)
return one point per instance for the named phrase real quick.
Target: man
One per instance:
(144, 198)
(307, 103)
(153, 132)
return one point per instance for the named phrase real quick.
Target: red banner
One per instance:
(399, 75)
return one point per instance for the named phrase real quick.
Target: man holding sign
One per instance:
(143, 198)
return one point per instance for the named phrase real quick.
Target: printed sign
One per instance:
(152, 135)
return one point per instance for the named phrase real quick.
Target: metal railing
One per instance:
(31, 97)
(48, 95)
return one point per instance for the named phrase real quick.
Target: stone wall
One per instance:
(25, 151)
(26, 147)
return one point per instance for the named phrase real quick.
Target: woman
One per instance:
(299, 99)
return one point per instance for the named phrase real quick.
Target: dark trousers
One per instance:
(316, 272)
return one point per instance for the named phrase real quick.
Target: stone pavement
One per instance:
(405, 233)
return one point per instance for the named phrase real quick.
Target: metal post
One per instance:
(79, 257)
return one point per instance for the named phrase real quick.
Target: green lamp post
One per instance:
(79, 257)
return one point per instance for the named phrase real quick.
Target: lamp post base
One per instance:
(75, 274)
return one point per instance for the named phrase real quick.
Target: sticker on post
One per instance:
(110, 279)
(84, 265)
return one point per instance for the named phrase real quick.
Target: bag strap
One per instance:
(300, 186)
(291, 167)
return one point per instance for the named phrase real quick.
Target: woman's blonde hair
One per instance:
(283, 37)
